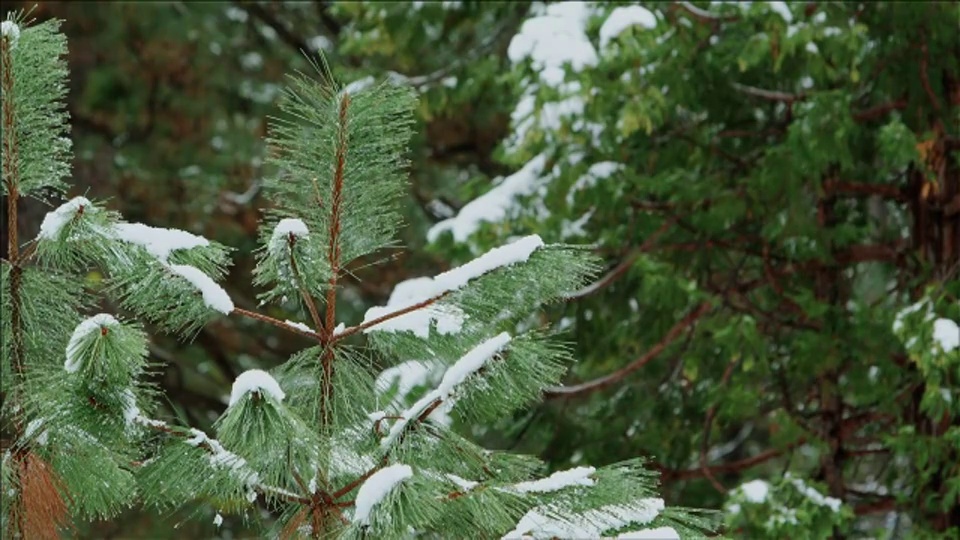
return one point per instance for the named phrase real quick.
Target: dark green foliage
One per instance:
(42, 127)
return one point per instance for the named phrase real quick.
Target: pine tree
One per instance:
(314, 440)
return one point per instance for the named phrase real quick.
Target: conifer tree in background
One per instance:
(311, 440)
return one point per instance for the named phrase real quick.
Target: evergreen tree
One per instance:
(313, 439)
(775, 189)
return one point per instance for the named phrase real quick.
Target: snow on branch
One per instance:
(622, 18)
(376, 488)
(285, 229)
(579, 476)
(551, 521)
(54, 221)
(455, 375)
(418, 295)
(255, 380)
(11, 31)
(213, 295)
(98, 322)
(553, 39)
(158, 241)
(659, 533)
(161, 243)
(494, 205)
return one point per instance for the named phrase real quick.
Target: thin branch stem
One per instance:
(383, 318)
(276, 322)
(307, 298)
(565, 392)
(733, 466)
(621, 269)
(880, 110)
(333, 254)
(11, 174)
(708, 427)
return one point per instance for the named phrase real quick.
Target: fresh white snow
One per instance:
(756, 491)
(449, 319)
(622, 18)
(467, 365)
(579, 476)
(32, 428)
(463, 484)
(660, 533)
(378, 486)
(298, 325)
(54, 221)
(471, 362)
(407, 376)
(161, 242)
(515, 252)
(222, 458)
(815, 496)
(95, 323)
(158, 241)
(947, 334)
(494, 205)
(285, 228)
(213, 295)
(598, 171)
(11, 31)
(358, 85)
(913, 308)
(553, 39)
(131, 413)
(255, 380)
(782, 9)
(546, 521)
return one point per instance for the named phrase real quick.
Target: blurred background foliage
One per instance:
(781, 167)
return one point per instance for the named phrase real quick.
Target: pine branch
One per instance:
(336, 204)
(263, 489)
(564, 392)
(383, 318)
(307, 298)
(276, 322)
(11, 174)
(427, 411)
